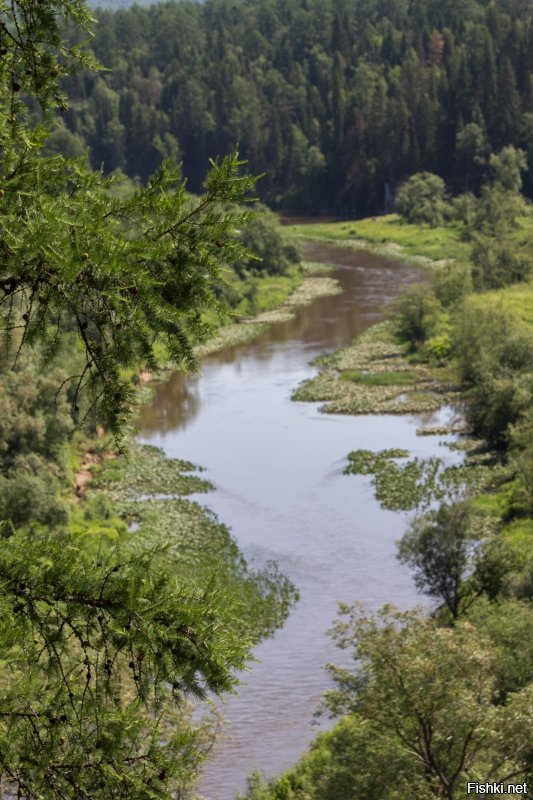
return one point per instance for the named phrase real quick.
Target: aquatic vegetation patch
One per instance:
(316, 268)
(311, 288)
(366, 462)
(418, 483)
(230, 336)
(373, 376)
(142, 495)
(403, 378)
(443, 430)
(146, 471)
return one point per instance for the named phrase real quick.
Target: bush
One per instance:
(415, 317)
(496, 263)
(453, 283)
(28, 498)
(422, 199)
(495, 359)
(521, 436)
(439, 548)
(272, 253)
(464, 209)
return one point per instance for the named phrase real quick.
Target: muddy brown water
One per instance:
(277, 468)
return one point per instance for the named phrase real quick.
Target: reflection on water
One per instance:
(277, 466)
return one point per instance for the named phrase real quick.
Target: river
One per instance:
(277, 468)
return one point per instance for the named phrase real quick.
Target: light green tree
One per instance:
(430, 690)
(422, 199)
(439, 547)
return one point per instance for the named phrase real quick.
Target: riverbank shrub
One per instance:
(496, 262)
(495, 358)
(270, 250)
(422, 199)
(439, 548)
(415, 316)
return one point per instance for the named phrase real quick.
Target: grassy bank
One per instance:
(277, 304)
(419, 244)
(143, 501)
(389, 236)
(374, 376)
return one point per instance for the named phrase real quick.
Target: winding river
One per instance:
(277, 467)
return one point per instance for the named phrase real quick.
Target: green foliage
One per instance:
(507, 167)
(496, 263)
(120, 271)
(337, 103)
(509, 625)
(439, 547)
(522, 459)
(35, 425)
(100, 653)
(453, 282)
(506, 568)
(429, 691)
(270, 251)
(496, 260)
(421, 199)
(27, 498)
(415, 317)
(495, 357)
(35, 419)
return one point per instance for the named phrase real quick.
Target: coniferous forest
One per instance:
(334, 102)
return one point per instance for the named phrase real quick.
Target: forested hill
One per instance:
(336, 101)
(113, 5)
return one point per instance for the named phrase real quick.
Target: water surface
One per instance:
(277, 467)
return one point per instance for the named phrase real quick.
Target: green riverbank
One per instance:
(143, 500)
(310, 282)
(390, 237)
(374, 376)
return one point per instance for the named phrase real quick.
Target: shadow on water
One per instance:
(277, 467)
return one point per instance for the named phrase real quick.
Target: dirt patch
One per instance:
(84, 475)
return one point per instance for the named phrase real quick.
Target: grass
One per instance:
(373, 376)
(269, 292)
(380, 378)
(516, 299)
(390, 236)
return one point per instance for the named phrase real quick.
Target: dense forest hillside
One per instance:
(113, 5)
(336, 101)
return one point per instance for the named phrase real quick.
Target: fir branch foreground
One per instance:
(120, 272)
(98, 653)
